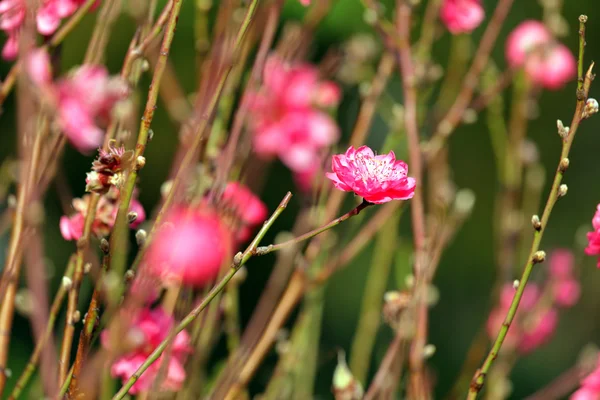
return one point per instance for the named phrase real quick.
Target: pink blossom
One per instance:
(561, 263)
(248, 210)
(190, 248)
(551, 68)
(590, 386)
(288, 121)
(462, 16)
(148, 329)
(528, 36)
(593, 247)
(540, 331)
(531, 295)
(305, 3)
(494, 323)
(49, 16)
(84, 98)
(377, 179)
(71, 227)
(566, 292)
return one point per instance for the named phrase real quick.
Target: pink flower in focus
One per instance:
(148, 329)
(593, 247)
(287, 118)
(48, 19)
(551, 68)
(71, 227)
(82, 99)
(561, 263)
(462, 16)
(190, 248)
(528, 36)
(377, 179)
(566, 292)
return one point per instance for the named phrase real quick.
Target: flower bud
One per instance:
(131, 217)
(563, 131)
(537, 224)
(394, 303)
(104, 246)
(562, 190)
(345, 386)
(140, 237)
(67, 282)
(539, 256)
(591, 108)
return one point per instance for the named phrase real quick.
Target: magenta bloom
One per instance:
(377, 179)
(190, 248)
(539, 331)
(287, 117)
(248, 210)
(84, 98)
(528, 36)
(593, 247)
(590, 386)
(566, 292)
(551, 68)
(48, 19)
(71, 227)
(561, 263)
(462, 16)
(148, 329)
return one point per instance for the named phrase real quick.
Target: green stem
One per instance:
(535, 256)
(261, 251)
(370, 314)
(238, 261)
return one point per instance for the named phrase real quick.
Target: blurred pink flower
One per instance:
(48, 19)
(248, 210)
(551, 68)
(462, 16)
(540, 331)
(566, 292)
(148, 329)
(377, 179)
(190, 247)
(593, 247)
(305, 2)
(561, 263)
(71, 227)
(528, 36)
(531, 295)
(287, 118)
(82, 99)
(590, 386)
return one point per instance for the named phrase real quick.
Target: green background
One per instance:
(467, 269)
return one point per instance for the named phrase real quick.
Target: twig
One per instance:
(239, 260)
(454, 115)
(392, 353)
(583, 87)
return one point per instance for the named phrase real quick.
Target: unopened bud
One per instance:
(564, 165)
(539, 256)
(562, 190)
(6, 371)
(24, 302)
(591, 108)
(535, 221)
(394, 303)
(516, 284)
(87, 267)
(464, 202)
(469, 116)
(140, 162)
(104, 246)
(67, 282)
(140, 237)
(132, 216)
(429, 351)
(563, 131)
(129, 275)
(237, 260)
(345, 386)
(76, 316)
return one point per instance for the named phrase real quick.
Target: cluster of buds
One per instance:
(108, 169)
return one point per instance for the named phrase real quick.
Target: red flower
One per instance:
(593, 247)
(462, 16)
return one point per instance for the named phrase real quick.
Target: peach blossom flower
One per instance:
(551, 68)
(593, 247)
(288, 120)
(148, 329)
(248, 210)
(71, 227)
(82, 99)
(566, 292)
(377, 179)
(590, 386)
(561, 263)
(462, 16)
(530, 35)
(190, 247)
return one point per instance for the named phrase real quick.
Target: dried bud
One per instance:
(563, 131)
(394, 303)
(591, 108)
(131, 217)
(535, 221)
(345, 386)
(140, 237)
(539, 256)
(562, 190)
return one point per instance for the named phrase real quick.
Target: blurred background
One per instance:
(466, 273)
